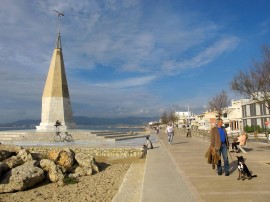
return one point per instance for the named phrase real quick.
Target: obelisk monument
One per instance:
(56, 103)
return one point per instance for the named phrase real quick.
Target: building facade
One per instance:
(184, 118)
(255, 114)
(232, 116)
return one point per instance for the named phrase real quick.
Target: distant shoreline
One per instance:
(83, 127)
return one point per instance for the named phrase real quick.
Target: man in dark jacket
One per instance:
(220, 142)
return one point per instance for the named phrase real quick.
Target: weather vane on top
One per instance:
(59, 19)
(58, 41)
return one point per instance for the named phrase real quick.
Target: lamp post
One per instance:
(188, 116)
(266, 127)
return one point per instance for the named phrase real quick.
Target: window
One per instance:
(244, 123)
(253, 109)
(263, 109)
(244, 111)
(254, 122)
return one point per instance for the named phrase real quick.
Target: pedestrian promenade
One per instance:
(179, 172)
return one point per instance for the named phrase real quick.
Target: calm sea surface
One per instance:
(87, 127)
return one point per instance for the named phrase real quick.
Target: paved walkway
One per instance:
(179, 172)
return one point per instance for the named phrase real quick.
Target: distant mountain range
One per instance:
(82, 120)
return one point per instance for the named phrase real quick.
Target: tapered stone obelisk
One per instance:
(56, 103)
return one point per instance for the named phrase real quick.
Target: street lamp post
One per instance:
(266, 127)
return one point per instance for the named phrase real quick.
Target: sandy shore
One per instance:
(102, 186)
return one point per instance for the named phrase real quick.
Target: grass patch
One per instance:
(71, 180)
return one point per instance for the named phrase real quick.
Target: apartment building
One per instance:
(232, 116)
(239, 114)
(184, 118)
(206, 120)
(255, 113)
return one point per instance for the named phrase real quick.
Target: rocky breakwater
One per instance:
(20, 169)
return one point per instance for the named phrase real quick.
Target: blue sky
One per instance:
(128, 57)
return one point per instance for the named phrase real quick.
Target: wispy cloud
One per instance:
(204, 57)
(127, 83)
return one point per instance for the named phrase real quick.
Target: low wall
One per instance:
(125, 152)
(198, 134)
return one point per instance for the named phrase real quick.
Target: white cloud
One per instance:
(127, 83)
(204, 57)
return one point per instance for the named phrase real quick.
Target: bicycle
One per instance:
(65, 137)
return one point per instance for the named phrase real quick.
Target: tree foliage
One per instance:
(164, 118)
(255, 82)
(168, 117)
(172, 117)
(219, 102)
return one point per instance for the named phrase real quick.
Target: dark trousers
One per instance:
(234, 145)
(144, 152)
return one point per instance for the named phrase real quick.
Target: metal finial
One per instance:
(59, 19)
(58, 41)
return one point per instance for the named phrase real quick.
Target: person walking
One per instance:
(170, 133)
(188, 131)
(220, 142)
(157, 130)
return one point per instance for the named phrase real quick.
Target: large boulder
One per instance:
(25, 155)
(81, 171)
(86, 160)
(21, 178)
(53, 155)
(54, 172)
(64, 158)
(13, 161)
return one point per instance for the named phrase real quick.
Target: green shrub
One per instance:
(71, 180)
(251, 129)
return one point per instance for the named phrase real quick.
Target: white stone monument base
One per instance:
(56, 108)
(49, 127)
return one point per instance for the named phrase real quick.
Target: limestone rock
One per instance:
(13, 161)
(64, 158)
(21, 178)
(32, 163)
(82, 171)
(25, 155)
(53, 155)
(86, 160)
(55, 173)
